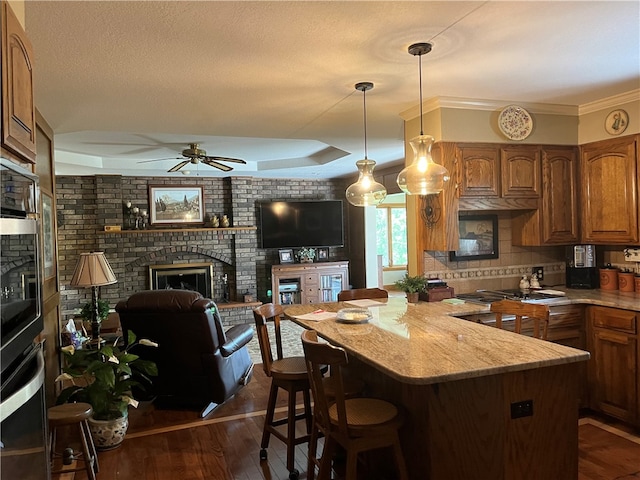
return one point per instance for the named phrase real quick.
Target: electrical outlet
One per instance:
(522, 409)
(539, 271)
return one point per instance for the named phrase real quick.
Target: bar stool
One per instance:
(537, 313)
(74, 414)
(356, 424)
(289, 374)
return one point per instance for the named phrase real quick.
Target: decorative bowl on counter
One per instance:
(354, 315)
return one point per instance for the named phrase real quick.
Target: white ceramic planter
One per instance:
(108, 434)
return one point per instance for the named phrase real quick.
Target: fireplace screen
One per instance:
(185, 276)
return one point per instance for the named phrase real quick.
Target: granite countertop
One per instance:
(424, 343)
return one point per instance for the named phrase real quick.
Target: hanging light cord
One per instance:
(420, 76)
(364, 109)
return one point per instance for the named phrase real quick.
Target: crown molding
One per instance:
(489, 105)
(609, 102)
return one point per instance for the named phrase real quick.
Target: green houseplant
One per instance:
(412, 286)
(105, 378)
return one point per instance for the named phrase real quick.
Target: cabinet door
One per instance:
(614, 374)
(479, 171)
(610, 192)
(520, 167)
(18, 112)
(559, 198)
(331, 284)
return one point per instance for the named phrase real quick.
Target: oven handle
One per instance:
(22, 396)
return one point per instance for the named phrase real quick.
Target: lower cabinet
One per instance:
(308, 282)
(613, 369)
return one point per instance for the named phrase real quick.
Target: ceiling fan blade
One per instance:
(226, 159)
(213, 163)
(178, 166)
(160, 159)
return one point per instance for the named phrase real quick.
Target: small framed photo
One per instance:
(286, 255)
(175, 204)
(478, 238)
(323, 254)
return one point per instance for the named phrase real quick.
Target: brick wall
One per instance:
(87, 204)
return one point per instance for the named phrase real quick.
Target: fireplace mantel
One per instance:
(188, 229)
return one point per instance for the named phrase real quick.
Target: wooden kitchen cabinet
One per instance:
(301, 283)
(18, 110)
(609, 179)
(478, 172)
(556, 221)
(613, 367)
(520, 169)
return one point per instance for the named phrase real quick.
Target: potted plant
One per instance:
(104, 378)
(412, 286)
(306, 255)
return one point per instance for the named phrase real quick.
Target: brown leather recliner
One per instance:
(199, 364)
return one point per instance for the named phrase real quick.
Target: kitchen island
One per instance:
(481, 403)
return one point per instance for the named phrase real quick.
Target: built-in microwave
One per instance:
(20, 277)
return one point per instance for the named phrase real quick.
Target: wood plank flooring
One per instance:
(177, 445)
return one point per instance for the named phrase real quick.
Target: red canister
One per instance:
(637, 279)
(626, 282)
(609, 278)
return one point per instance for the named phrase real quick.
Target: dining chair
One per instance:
(288, 374)
(537, 313)
(360, 293)
(357, 424)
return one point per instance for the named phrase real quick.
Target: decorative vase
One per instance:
(108, 434)
(413, 297)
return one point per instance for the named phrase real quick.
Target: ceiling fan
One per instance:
(195, 155)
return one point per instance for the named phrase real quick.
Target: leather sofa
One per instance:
(200, 365)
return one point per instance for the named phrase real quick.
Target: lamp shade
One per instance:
(92, 270)
(423, 176)
(366, 191)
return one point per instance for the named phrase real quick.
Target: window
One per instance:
(391, 235)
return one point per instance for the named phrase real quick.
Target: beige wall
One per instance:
(591, 126)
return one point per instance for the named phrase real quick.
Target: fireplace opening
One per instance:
(185, 276)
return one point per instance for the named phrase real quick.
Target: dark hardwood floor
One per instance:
(177, 445)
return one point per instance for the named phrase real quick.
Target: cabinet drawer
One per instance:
(311, 279)
(623, 320)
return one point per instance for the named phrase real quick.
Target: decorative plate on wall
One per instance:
(616, 122)
(515, 122)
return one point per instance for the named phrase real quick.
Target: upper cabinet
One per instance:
(478, 172)
(556, 221)
(520, 166)
(18, 112)
(609, 179)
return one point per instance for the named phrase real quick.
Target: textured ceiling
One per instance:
(273, 82)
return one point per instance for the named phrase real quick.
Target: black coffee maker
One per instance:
(581, 270)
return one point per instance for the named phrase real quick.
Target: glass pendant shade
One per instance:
(366, 192)
(423, 176)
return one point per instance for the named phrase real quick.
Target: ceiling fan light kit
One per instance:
(423, 176)
(366, 191)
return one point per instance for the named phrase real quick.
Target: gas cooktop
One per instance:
(490, 296)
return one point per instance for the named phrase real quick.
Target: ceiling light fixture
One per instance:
(366, 191)
(423, 176)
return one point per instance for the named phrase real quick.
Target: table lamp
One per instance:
(93, 270)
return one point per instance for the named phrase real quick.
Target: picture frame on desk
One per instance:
(478, 238)
(286, 255)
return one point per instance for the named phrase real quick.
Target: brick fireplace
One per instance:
(197, 277)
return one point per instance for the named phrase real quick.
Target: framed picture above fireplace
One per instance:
(175, 204)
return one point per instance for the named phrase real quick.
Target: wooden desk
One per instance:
(463, 386)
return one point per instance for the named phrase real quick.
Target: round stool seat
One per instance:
(69, 413)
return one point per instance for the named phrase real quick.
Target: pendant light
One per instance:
(366, 191)
(423, 176)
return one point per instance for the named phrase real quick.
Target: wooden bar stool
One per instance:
(356, 424)
(289, 374)
(537, 313)
(74, 414)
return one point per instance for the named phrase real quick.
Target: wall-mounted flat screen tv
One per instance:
(292, 224)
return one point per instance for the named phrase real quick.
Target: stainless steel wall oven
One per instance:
(23, 446)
